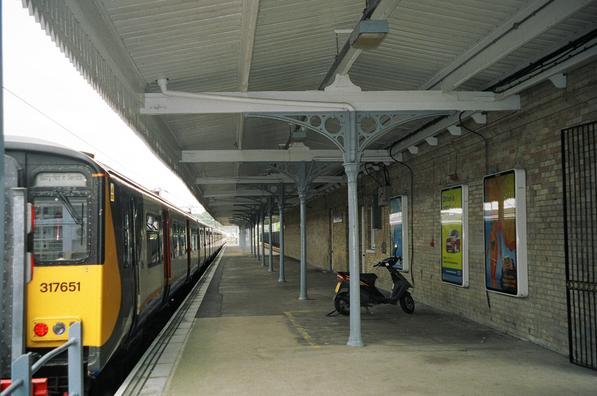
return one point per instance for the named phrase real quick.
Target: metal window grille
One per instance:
(579, 166)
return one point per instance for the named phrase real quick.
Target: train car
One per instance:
(105, 251)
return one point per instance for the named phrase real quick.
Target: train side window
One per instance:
(174, 240)
(153, 227)
(183, 240)
(195, 239)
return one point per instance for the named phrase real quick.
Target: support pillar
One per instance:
(282, 275)
(351, 168)
(303, 276)
(270, 239)
(303, 174)
(257, 240)
(263, 238)
(251, 239)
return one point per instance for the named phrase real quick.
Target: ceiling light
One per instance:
(369, 34)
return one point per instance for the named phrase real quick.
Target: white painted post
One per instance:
(262, 215)
(282, 275)
(303, 276)
(351, 168)
(270, 239)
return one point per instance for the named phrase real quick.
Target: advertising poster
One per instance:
(398, 230)
(453, 236)
(499, 214)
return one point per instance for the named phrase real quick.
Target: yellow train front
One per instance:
(106, 252)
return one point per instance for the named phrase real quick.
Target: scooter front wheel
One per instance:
(342, 303)
(407, 303)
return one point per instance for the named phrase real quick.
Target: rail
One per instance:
(23, 368)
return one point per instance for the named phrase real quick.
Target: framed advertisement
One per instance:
(454, 235)
(505, 229)
(399, 230)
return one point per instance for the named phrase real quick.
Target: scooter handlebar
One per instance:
(388, 260)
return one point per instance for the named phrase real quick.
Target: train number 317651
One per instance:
(55, 287)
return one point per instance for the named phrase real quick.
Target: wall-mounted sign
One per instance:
(504, 215)
(454, 235)
(399, 229)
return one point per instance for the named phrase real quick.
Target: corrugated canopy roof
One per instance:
(124, 46)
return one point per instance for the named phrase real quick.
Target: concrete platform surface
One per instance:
(253, 337)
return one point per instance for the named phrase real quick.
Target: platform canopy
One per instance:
(439, 62)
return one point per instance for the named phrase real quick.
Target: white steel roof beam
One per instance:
(208, 156)
(247, 43)
(239, 193)
(271, 179)
(315, 101)
(428, 132)
(530, 22)
(561, 67)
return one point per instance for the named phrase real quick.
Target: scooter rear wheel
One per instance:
(342, 303)
(407, 303)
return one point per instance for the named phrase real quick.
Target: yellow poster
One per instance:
(451, 235)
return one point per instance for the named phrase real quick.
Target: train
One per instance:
(105, 251)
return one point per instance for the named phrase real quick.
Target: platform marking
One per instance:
(143, 374)
(301, 330)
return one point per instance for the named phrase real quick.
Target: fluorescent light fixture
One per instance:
(368, 34)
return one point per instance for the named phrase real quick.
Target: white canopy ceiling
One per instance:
(124, 46)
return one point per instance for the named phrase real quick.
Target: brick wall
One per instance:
(527, 139)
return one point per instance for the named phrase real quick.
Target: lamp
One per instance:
(368, 34)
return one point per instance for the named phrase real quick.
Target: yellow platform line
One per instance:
(301, 330)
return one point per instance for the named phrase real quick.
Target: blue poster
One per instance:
(396, 229)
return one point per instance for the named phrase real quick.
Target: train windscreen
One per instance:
(61, 203)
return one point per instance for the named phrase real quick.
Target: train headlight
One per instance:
(59, 328)
(40, 329)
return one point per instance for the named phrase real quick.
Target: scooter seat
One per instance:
(369, 278)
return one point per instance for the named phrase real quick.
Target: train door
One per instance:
(189, 247)
(204, 235)
(197, 251)
(131, 235)
(167, 251)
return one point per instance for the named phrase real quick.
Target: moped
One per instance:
(371, 295)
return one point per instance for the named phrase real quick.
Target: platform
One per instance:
(251, 336)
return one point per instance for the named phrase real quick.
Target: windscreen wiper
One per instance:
(69, 207)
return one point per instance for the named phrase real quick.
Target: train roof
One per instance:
(44, 146)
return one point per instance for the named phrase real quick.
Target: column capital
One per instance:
(352, 171)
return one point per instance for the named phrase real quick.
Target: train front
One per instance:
(75, 273)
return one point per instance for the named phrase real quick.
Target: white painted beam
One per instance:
(431, 140)
(559, 80)
(210, 156)
(324, 101)
(480, 118)
(455, 130)
(574, 61)
(527, 24)
(239, 193)
(271, 179)
(431, 130)
(249, 16)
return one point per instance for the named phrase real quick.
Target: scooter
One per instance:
(371, 295)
